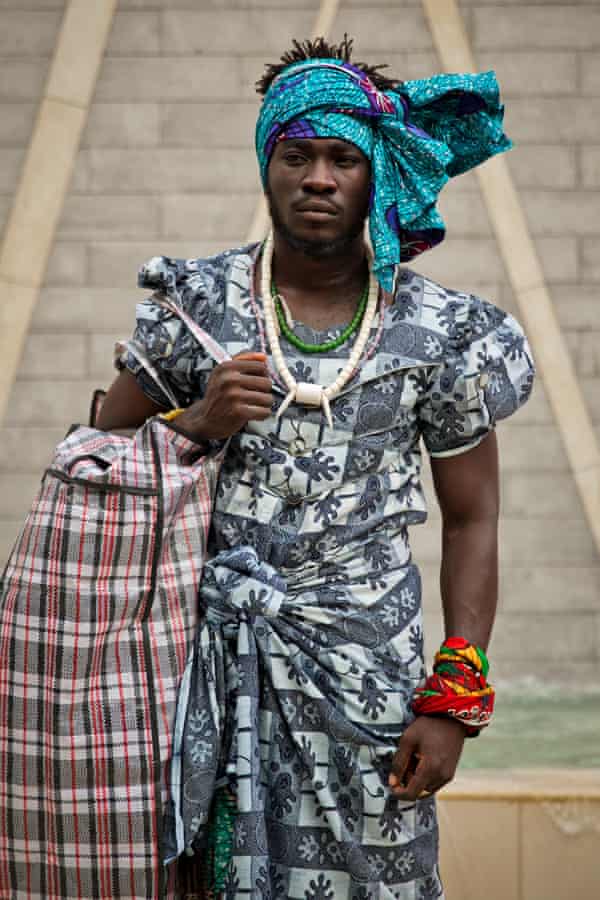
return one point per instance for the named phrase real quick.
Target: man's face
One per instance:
(318, 193)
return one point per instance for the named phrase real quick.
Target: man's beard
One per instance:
(317, 248)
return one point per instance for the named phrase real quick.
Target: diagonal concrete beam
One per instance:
(525, 273)
(46, 173)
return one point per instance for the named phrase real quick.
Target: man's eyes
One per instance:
(297, 159)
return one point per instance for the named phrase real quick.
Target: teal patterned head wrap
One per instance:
(417, 137)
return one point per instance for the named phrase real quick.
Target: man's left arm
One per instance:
(467, 488)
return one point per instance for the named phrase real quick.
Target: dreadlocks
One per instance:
(319, 48)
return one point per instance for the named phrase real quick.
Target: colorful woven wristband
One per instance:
(458, 687)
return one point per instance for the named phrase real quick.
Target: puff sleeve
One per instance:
(487, 375)
(167, 362)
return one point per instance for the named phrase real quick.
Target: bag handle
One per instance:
(207, 342)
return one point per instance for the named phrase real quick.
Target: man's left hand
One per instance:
(427, 757)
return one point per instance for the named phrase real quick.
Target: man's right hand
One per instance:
(237, 391)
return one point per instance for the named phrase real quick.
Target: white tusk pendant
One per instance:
(309, 394)
(289, 399)
(326, 409)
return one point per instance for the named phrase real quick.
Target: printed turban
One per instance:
(416, 137)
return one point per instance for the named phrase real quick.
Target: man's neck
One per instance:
(307, 274)
(320, 291)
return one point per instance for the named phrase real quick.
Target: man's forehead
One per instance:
(319, 144)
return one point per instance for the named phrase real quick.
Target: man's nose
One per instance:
(319, 177)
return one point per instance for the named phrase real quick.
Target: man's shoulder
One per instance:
(439, 308)
(164, 272)
(424, 302)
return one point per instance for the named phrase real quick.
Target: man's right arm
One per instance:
(125, 406)
(237, 391)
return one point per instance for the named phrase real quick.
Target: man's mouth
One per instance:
(317, 209)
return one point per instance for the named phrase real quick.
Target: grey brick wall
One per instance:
(167, 166)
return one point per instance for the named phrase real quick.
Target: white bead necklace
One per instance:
(303, 392)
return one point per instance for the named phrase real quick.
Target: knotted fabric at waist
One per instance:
(265, 642)
(236, 586)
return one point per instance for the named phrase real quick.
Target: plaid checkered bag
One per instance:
(97, 612)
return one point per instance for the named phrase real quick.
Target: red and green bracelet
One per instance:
(458, 686)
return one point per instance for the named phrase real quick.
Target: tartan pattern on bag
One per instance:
(98, 608)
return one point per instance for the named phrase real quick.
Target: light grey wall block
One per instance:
(543, 165)
(17, 495)
(557, 212)
(169, 79)
(28, 33)
(239, 31)
(556, 72)
(32, 4)
(67, 264)
(54, 356)
(165, 171)
(135, 34)
(110, 217)
(206, 215)
(535, 27)
(590, 74)
(590, 259)
(11, 161)
(22, 79)
(27, 449)
(208, 124)
(590, 167)
(17, 122)
(379, 31)
(72, 310)
(122, 125)
(41, 403)
(539, 118)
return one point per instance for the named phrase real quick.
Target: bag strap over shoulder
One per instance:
(204, 339)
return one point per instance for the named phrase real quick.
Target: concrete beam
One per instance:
(44, 181)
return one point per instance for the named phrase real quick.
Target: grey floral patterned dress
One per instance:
(310, 644)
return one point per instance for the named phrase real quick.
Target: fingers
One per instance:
(401, 762)
(416, 783)
(253, 398)
(413, 772)
(244, 367)
(249, 360)
(254, 383)
(418, 778)
(419, 783)
(258, 412)
(435, 745)
(237, 386)
(249, 374)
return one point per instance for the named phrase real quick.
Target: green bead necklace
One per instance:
(327, 345)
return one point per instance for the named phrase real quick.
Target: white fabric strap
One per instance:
(121, 347)
(204, 339)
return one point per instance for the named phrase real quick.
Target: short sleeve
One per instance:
(487, 376)
(167, 362)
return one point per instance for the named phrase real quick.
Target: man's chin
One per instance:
(317, 246)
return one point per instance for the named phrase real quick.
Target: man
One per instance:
(297, 714)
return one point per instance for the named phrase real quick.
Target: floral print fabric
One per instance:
(310, 645)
